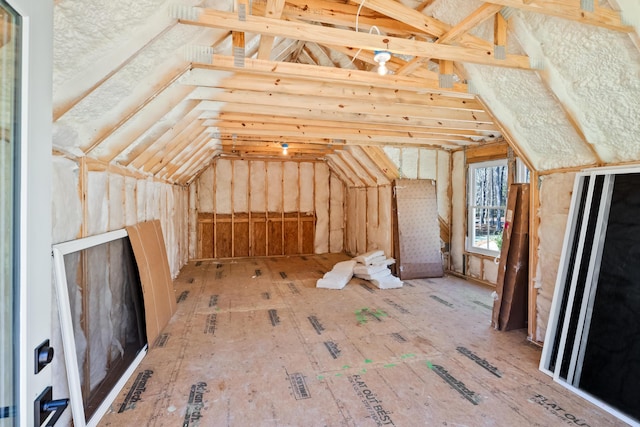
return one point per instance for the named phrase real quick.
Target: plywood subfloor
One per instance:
(254, 343)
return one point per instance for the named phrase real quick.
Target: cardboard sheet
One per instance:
(510, 309)
(157, 287)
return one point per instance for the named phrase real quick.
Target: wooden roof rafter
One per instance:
(481, 54)
(571, 10)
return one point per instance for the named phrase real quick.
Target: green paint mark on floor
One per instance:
(368, 361)
(429, 364)
(346, 367)
(390, 365)
(408, 355)
(320, 377)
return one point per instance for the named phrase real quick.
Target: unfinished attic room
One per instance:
(320, 213)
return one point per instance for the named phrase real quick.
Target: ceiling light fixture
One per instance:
(382, 57)
(285, 147)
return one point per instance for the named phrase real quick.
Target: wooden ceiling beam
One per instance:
(442, 140)
(296, 86)
(335, 36)
(149, 155)
(340, 14)
(330, 74)
(571, 10)
(148, 146)
(342, 117)
(353, 106)
(423, 23)
(484, 12)
(481, 14)
(191, 168)
(273, 10)
(379, 157)
(170, 166)
(270, 123)
(286, 129)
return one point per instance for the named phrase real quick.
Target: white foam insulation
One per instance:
(580, 108)
(555, 201)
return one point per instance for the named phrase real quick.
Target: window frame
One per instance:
(471, 188)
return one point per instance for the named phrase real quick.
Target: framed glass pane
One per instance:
(9, 149)
(487, 200)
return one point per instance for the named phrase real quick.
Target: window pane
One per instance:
(9, 26)
(488, 199)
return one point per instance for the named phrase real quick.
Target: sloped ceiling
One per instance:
(163, 87)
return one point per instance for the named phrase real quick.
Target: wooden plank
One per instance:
(205, 243)
(327, 74)
(259, 236)
(291, 234)
(334, 36)
(223, 243)
(481, 153)
(481, 14)
(308, 234)
(293, 85)
(274, 236)
(341, 14)
(241, 237)
(570, 10)
(341, 104)
(273, 10)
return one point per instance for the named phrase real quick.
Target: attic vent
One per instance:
(203, 54)
(187, 13)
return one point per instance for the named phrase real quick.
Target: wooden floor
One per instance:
(254, 343)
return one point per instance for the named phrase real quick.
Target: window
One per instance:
(523, 175)
(487, 204)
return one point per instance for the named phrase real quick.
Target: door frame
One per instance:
(34, 168)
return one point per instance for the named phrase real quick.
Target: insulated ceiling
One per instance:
(163, 87)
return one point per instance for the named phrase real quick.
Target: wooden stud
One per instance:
(534, 241)
(282, 205)
(233, 210)
(215, 208)
(500, 31)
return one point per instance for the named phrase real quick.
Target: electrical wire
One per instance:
(357, 30)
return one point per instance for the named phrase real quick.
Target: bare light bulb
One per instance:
(382, 57)
(285, 147)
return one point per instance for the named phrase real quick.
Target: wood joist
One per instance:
(253, 97)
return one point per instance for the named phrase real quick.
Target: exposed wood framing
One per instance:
(534, 242)
(571, 10)
(327, 74)
(326, 35)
